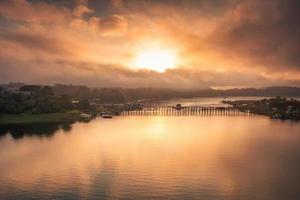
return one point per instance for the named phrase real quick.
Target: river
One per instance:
(204, 101)
(144, 157)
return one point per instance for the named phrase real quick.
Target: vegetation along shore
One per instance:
(32, 104)
(278, 108)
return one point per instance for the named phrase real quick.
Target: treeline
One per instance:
(268, 91)
(281, 108)
(114, 95)
(20, 98)
(121, 95)
(35, 99)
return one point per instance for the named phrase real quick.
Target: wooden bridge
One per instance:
(175, 111)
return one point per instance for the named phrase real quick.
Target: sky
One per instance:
(184, 44)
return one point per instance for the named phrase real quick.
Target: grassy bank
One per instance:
(19, 119)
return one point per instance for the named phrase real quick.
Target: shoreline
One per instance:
(47, 118)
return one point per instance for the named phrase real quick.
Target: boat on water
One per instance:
(107, 116)
(85, 117)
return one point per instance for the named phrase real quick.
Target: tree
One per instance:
(45, 91)
(30, 88)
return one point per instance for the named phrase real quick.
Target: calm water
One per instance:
(209, 101)
(154, 158)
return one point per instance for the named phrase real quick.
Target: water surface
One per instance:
(205, 101)
(155, 158)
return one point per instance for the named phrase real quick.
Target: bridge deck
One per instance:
(177, 111)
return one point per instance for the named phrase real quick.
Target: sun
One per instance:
(155, 59)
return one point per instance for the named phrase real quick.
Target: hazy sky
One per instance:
(151, 43)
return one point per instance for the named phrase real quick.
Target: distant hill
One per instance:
(268, 91)
(129, 94)
(121, 95)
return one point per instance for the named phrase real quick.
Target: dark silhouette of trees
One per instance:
(59, 98)
(34, 99)
(30, 88)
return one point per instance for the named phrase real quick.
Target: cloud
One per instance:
(262, 33)
(250, 35)
(22, 10)
(100, 75)
(117, 3)
(114, 25)
(110, 26)
(79, 24)
(218, 43)
(80, 10)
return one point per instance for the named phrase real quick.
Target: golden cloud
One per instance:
(218, 43)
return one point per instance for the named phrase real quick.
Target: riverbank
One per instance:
(20, 119)
(277, 108)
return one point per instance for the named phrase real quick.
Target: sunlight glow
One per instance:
(155, 59)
